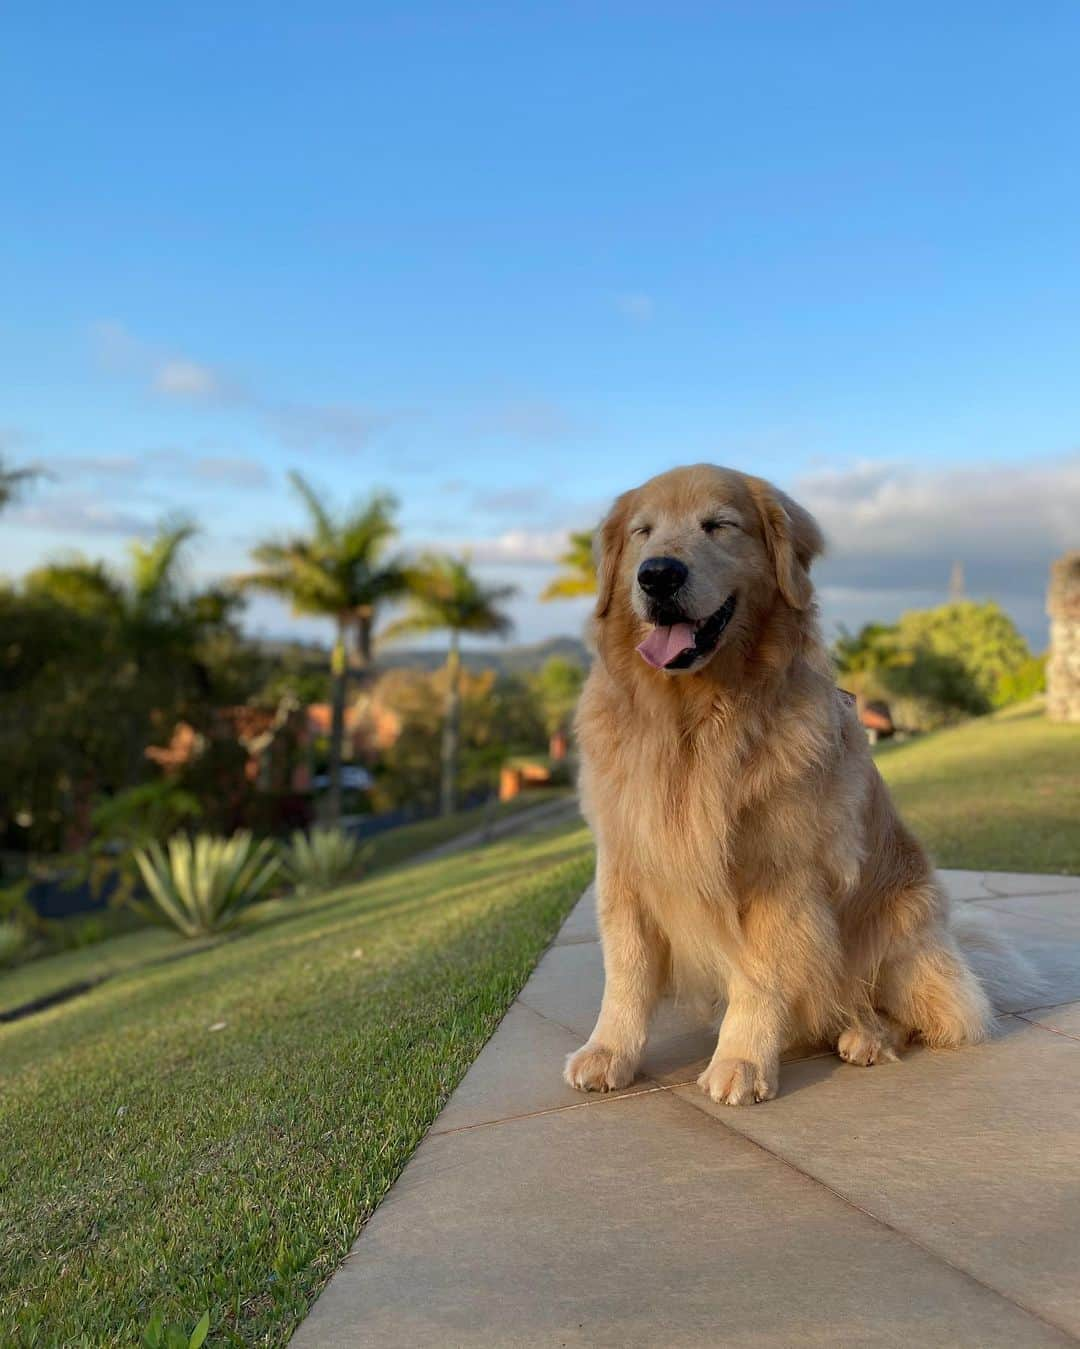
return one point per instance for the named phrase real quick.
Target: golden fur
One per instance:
(749, 854)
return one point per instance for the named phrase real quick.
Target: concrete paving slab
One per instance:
(1059, 907)
(639, 1223)
(567, 986)
(974, 1154)
(581, 925)
(1027, 883)
(1051, 943)
(963, 885)
(504, 1082)
(931, 1202)
(1065, 1020)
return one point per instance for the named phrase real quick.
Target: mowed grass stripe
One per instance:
(1001, 793)
(148, 1163)
(42, 978)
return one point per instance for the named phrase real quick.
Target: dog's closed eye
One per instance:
(713, 526)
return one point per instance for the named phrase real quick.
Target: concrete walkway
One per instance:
(934, 1201)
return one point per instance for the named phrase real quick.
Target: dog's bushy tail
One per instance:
(1010, 980)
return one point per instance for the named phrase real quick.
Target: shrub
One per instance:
(1022, 683)
(13, 938)
(321, 859)
(202, 886)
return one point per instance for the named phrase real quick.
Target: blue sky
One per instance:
(508, 260)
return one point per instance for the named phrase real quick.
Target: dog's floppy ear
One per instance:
(608, 543)
(793, 539)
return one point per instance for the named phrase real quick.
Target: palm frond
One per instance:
(155, 565)
(12, 480)
(320, 517)
(579, 576)
(446, 594)
(87, 587)
(338, 571)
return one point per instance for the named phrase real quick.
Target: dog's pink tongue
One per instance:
(663, 644)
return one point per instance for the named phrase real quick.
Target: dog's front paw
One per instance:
(739, 1082)
(597, 1068)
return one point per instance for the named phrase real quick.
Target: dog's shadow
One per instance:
(676, 1062)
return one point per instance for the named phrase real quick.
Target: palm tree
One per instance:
(150, 625)
(447, 596)
(579, 578)
(338, 570)
(145, 607)
(12, 481)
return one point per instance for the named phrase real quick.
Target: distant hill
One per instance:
(524, 659)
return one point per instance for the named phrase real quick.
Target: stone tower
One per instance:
(1063, 667)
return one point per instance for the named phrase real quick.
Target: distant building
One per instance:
(1063, 666)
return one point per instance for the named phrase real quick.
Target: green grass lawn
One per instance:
(47, 976)
(406, 842)
(1001, 793)
(212, 1132)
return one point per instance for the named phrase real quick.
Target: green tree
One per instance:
(557, 686)
(94, 665)
(934, 665)
(980, 636)
(151, 627)
(445, 595)
(338, 570)
(578, 576)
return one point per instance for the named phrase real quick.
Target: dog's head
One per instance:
(696, 557)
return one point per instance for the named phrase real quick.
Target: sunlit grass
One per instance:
(212, 1132)
(1001, 793)
(48, 976)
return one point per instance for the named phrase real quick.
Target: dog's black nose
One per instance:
(660, 577)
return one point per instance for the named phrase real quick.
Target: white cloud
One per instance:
(893, 526)
(81, 513)
(173, 375)
(136, 470)
(894, 532)
(179, 378)
(514, 547)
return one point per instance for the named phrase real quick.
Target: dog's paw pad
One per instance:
(738, 1082)
(597, 1068)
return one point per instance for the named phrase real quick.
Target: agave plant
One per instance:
(202, 885)
(321, 859)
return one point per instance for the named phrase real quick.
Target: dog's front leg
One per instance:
(745, 1066)
(632, 974)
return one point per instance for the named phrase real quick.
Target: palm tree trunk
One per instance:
(339, 674)
(450, 725)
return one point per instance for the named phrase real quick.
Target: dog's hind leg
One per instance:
(872, 1038)
(926, 985)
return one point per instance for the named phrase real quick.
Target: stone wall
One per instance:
(1063, 667)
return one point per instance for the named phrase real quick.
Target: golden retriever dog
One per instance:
(749, 854)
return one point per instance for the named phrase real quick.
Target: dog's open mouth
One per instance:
(678, 646)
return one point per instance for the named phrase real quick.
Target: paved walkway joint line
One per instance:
(931, 1202)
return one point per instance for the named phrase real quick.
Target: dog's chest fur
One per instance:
(681, 802)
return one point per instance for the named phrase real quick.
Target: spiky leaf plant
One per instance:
(201, 886)
(322, 858)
